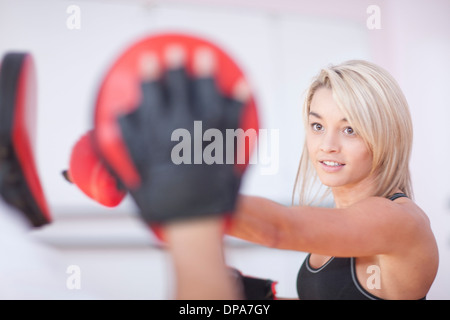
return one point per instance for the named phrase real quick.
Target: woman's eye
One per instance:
(316, 126)
(349, 131)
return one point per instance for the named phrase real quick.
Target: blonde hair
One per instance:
(377, 110)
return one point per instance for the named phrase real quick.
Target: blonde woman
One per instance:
(375, 242)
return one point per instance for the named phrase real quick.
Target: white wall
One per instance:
(280, 45)
(71, 63)
(419, 37)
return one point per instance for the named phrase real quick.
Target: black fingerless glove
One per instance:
(254, 288)
(170, 190)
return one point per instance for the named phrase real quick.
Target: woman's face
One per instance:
(338, 153)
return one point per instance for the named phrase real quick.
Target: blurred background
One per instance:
(280, 45)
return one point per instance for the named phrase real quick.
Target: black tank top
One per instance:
(335, 280)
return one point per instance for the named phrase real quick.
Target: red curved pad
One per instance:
(24, 131)
(19, 112)
(89, 173)
(120, 93)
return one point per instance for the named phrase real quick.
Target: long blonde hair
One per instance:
(376, 108)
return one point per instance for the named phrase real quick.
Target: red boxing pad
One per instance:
(20, 185)
(88, 172)
(119, 94)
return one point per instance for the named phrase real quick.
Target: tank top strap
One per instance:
(397, 195)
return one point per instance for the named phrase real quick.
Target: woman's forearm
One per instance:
(197, 254)
(258, 220)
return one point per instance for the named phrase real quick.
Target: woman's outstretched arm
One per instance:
(372, 226)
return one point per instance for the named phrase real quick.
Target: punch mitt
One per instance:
(20, 185)
(88, 172)
(140, 126)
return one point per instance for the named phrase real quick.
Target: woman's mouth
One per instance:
(331, 166)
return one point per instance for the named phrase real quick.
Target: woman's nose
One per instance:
(330, 143)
